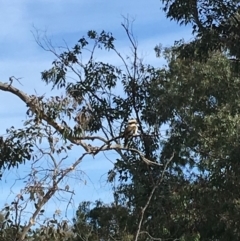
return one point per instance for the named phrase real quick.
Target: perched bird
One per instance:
(130, 130)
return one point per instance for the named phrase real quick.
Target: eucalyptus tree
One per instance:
(99, 99)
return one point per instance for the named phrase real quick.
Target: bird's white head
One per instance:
(132, 121)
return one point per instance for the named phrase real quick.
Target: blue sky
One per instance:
(68, 21)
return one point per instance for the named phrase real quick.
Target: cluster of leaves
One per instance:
(102, 222)
(14, 150)
(215, 24)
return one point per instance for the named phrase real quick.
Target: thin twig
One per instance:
(150, 198)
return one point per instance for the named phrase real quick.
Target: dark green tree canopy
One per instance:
(216, 24)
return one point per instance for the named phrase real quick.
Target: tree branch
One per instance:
(150, 198)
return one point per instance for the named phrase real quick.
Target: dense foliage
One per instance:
(215, 25)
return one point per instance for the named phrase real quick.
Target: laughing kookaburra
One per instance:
(131, 130)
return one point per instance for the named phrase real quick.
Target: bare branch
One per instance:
(52, 190)
(150, 197)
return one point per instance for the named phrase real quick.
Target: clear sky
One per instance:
(69, 20)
